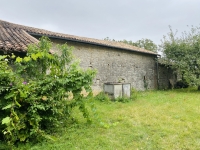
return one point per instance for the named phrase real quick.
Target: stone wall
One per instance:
(165, 74)
(114, 65)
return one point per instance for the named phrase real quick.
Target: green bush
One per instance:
(34, 91)
(103, 97)
(123, 99)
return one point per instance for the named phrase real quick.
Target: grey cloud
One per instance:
(117, 19)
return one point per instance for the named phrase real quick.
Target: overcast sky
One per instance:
(116, 19)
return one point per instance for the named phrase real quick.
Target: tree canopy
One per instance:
(143, 43)
(183, 54)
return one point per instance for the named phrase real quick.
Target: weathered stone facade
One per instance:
(114, 61)
(114, 65)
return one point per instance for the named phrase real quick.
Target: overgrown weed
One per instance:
(104, 97)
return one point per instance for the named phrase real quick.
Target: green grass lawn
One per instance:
(156, 120)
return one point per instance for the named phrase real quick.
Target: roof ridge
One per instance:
(36, 31)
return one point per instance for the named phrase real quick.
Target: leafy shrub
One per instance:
(122, 99)
(103, 97)
(34, 91)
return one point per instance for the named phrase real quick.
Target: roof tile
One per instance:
(15, 37)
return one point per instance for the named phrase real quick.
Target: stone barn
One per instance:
(114, 61)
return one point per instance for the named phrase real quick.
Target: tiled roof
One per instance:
(14, 37)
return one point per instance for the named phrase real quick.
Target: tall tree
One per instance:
(183, 54)
(143, 43)
(146, 44)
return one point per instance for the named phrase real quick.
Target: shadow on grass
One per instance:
(184, 90)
